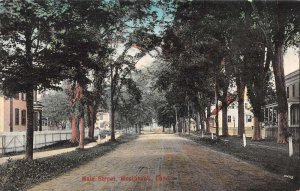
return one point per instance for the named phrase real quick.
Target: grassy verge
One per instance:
(21, 174)
(262, 154)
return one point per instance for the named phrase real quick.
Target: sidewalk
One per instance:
(43, 154)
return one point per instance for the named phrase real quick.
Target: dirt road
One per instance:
(165, 162)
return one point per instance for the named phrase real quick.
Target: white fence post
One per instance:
(3, 144)
(45, 139)
(291, 152)
(24, 142)
(15, 149)
(244, 139)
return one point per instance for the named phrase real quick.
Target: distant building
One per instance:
(102, 120)
(13, 113)
(292, 82)
(232, 117)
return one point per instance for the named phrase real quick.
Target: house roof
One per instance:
(229, 99)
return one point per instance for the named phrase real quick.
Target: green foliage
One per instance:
(56, 107)
(25, 31)
(166, 115)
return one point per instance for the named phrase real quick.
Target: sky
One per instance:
(291, 60)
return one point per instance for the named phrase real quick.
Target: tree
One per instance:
(74, 131)
(96, 98)
(257, 84)
(25, 32)
(120, 70)
(80, 37)
(56, 108)
(188, 46)
(279, 22)
(166, 115)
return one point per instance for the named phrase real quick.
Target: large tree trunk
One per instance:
(112, 105)
(279, 75)
(197, 121)
(29, 98)
(140, 128)
(208, 117)
(256, 131)
(224, 118)
(280, 92)
(202, 119)
(91, 121)
(112, 121)
(217, 105)
(81, 117)
(74, 132)
(79, 98)
(29, 131)
(81, 122)
(241, 93)
(185, 124)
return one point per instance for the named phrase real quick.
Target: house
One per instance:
(102, 120)
(232, 116)
(13, 113)
(292, 83)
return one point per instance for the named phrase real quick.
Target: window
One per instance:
(293, 90)
(248, 118)
(275, 115)
(101, 116)
(287, 92)
(229, 119)
(23, 117)
(16, 96)
(23, 96)
(17, 117)
(45, 122)
(266, 119)
(295, 113)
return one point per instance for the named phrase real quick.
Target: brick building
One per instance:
(13, 113)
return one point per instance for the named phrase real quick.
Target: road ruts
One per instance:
(183, 164)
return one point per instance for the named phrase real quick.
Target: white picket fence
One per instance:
(16, 141)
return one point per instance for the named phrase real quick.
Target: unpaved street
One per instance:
(165, 162)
